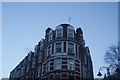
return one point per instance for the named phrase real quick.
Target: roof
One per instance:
(64, 25)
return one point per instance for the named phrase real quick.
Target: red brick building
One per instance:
(61, 55)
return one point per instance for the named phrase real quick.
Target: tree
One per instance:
(112, 56)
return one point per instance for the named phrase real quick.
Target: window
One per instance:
(71, 64)
(85, 59)
(39, 72)
(58, 63)
(64, 66)
(27, 68)
(33, 63)
(70, 48)
(58, 32)
(23, 71)
(71, 77)
(50, 35)
(50, 76)
(39, 58)
(58, 47)
(48, 66)
(70, 33)
(57, 76)
(49, 50)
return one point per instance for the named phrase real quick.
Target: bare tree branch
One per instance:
(112, 55)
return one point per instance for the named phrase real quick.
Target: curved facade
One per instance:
(61, 55)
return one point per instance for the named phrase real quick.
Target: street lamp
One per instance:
(107, 69)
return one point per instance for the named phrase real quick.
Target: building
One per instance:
(61, 55)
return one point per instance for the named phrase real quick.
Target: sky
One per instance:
(24, 25)
(0, 39)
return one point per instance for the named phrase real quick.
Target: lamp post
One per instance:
(100, 74)
(107, 69)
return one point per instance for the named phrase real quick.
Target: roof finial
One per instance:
(69, 20)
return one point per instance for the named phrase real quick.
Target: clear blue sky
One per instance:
(24, 25)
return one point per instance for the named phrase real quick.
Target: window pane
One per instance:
(58, 47)
(70, 33)
(71, 64)
(58, 63)
(70, 47)
(48, 66)
(59, 32)
(49, 50)
(50, 36)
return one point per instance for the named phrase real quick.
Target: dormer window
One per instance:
(70, 32)
(59, 31)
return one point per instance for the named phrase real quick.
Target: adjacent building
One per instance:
(62, 54)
